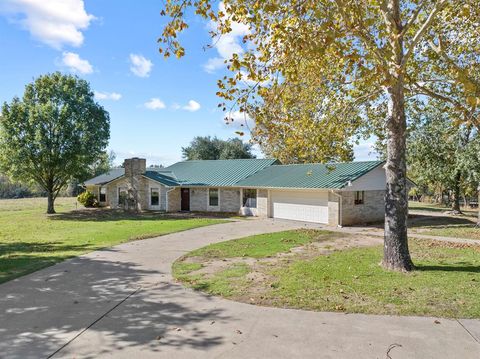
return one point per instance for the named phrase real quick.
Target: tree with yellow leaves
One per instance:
(363, 55)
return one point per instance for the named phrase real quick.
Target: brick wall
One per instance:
(143, 192)
(174, 200)
(229, 200)
(333, 203)
(262, 203)
(372, 210)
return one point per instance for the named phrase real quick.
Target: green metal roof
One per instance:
(109, 176)
(335, 175)
(166, 178)
(263, 173)
(216, 173)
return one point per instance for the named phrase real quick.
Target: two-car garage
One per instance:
(311, 206)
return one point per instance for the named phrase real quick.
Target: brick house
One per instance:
(334, 194)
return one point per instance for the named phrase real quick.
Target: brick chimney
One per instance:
(135, 166)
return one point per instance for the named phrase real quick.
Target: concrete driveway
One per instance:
(121, 302)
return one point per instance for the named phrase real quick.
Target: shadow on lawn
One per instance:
(107, 215)
(21, 258)
(419, 221)
(449, 268)
(136, 307)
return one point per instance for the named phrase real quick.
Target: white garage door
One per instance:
(300, 206)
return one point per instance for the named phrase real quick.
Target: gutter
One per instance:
(340, 200)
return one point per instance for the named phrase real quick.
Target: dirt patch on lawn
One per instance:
(259, 278)
(305, 252)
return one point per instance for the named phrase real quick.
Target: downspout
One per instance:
(340, 200)
(166, 197)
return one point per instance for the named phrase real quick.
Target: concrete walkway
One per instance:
(122, 303)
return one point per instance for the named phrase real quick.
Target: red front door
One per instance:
(185, 202)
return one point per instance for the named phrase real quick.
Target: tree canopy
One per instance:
(208, 148)
(368, 57)
(54, 133)
(443, 156)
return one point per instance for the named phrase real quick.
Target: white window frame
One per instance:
(100, 194)
(256, 197)
(218, 198)
(120, 188)
(159, 196)
(355, 198)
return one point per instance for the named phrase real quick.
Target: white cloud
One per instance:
(226, 44)
(192, 106)
(155, 104)
(76, 64)
(114, 96)
(53, 22)
(365, 150)
(213, 64)
(239, 120)
(140, 65)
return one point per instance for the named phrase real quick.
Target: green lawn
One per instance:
(261, 246)
(446, 282)
(30, 240)
(459, 226)
(467, 230)
(433, 207)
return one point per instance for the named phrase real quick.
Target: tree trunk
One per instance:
(456, 193)
(51, 203)
(396, 255)
(395, 248)
(478, 206)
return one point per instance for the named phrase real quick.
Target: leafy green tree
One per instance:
(104, 163)
(452, 72)
(9, 189)
(208, 148)
(367, 53)
(54, 133)
(442, 154)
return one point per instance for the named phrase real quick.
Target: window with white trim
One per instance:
(102, 194)
(213, 197)
(249, 198)
(122, 195)
(154, 196)
(359, 197)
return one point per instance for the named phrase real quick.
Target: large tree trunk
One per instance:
(396, 255)
(395, 248)
(478, 206)
(456, 193)
(51, 202)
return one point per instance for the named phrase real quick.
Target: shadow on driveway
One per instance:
(59, 303)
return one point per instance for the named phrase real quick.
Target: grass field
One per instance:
(432, 207)
(256, 270)
(30, 240)
(458, 226)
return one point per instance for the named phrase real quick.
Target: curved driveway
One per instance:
(122, 303)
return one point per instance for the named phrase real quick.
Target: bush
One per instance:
(88, 199)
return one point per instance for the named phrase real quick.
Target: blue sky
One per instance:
(156, 106)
